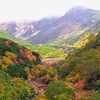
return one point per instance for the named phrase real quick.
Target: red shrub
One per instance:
(46, 79)
(21, 52)
(8, 42)
(21, 61)
(65, 65)
(80, 84)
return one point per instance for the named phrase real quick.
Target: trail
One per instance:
(40, 85)
(50, 62)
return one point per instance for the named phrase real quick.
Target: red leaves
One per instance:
(21, 52)
(8, 42)
(80, 84)
(28, 54)
(21, 61)
(65, 65)
(46, 79)
(15, 61)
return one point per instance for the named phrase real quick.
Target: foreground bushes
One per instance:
(14, 88)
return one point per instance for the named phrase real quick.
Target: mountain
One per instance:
(75, 78)
(76, 19)
(69, 29)
(24, 77)
(26, 29)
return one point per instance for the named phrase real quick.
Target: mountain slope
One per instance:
(12, 88)
(76, 23)
(26, 29)
(14, 60)
(73, 21)
(44, 51)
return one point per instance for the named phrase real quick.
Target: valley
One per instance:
(55, 58)
(44, 51)
(51, 61)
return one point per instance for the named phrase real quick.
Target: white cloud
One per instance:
(21, 10)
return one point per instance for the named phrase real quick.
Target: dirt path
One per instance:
(51, 61)
(40, 85)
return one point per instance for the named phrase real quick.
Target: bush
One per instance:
(16, 71)
(58, 89)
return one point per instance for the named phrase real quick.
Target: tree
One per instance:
(91, 43)
(12, 88)
(58, 89)
(63, 71)
(52, 71)
(16, 71)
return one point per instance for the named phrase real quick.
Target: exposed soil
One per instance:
(50, 62)
(40, 85)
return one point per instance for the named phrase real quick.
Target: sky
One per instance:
(27, 10)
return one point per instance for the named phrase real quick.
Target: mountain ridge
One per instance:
(49, 29)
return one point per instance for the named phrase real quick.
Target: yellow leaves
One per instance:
(70, 85)
(72, 79)
(3, 66)
(29, 74)
(23, 85)
(18, 80)
(82, 41)
(27, 70)
(6, 60)
(77, 77)
(55, 78)
(41, 97)
(2, 88)
(28, 54)
(29, 57)
(10, 55)
(0, 61)
(42, 67)
(35, 71)
(52, 71)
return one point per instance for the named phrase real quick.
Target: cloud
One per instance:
(21, 10)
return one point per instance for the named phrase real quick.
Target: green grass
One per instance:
(44, 51)
(49, 52)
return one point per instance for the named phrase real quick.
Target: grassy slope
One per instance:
(78, 40)
(44, 51)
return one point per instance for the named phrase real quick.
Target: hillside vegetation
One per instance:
(44, 51)
(14, 88)
(14, 60)
(75, 78)
(22, 75)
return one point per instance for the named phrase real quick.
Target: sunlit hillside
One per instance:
(44, 51)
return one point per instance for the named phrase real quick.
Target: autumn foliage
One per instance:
(79, 72)
(28, 54)
(80, 84)
(8, 42)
